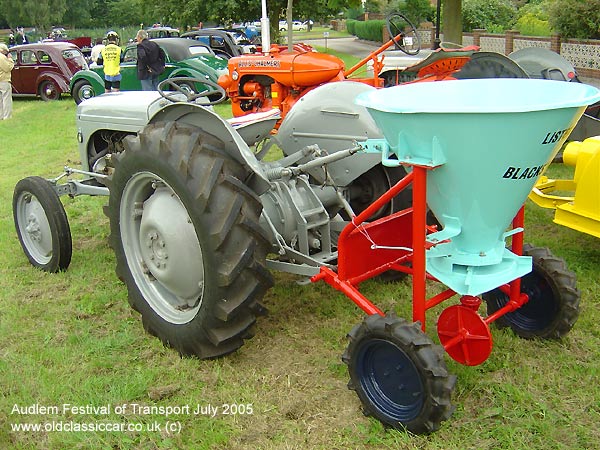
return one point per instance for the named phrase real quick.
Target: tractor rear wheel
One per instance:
(373, 184)
(185, 231)
(42, 224)
(399, 374)
(553, 305)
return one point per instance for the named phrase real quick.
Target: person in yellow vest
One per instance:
(110, 58)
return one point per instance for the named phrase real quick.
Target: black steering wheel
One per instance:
(193, 89)
(403, 33)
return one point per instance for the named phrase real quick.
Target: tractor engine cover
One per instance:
(289, 69)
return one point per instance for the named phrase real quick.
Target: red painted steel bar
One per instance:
(362, 62)
(373, 273)
(418, 243)
(441, 297)
(516, 297)
(517, 249)
(369, 211)
(350, 291)
(381, 201)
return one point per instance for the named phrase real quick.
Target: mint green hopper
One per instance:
(486, 142)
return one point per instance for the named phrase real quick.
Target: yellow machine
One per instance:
(581, 210)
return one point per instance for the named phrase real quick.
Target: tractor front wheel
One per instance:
(42, 224)
(399, 374)
(553, 305)
(187, 240)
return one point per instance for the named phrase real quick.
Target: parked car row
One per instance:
(184, 58)
(50, 69)
(222, 42)
(225, 42)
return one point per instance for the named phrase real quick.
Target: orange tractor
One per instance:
(278, 78)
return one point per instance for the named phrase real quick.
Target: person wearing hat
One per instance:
(110, 58)
(6, 67)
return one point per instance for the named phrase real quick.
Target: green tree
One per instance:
(532, 18)
(317, 10)
(78, 13)
(493, 15)
(41, 14)
(416, 11)
(576, 18)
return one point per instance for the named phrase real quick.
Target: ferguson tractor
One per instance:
(370, 181)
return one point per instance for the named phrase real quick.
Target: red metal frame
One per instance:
(398, 242)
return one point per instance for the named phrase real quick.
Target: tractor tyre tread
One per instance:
(229, 211)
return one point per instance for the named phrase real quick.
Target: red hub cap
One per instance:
(465, 335)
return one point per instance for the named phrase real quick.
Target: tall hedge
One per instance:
(351, 26)
(371, 30)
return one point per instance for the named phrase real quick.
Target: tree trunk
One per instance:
(452, 26)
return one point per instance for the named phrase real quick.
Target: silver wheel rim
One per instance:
(50, 90)
(86, 92)
(161, 248)
(34, 228)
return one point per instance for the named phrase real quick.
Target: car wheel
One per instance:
(49, 90)
(82, 90)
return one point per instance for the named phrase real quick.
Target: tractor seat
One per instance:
(255, 127)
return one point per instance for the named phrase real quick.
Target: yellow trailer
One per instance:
(580, 209)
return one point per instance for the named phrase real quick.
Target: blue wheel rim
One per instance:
(539, 311)
(390, 380)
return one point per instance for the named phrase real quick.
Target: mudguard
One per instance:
(207, 120)
(211, 74)
(60, 82)
(91, 77)
(542, 63)
(327, 116)
(131, 111)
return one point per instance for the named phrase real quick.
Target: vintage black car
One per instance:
(222, 42)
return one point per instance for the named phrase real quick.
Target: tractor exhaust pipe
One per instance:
(264, 28)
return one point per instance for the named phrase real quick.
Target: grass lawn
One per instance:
(72, 339)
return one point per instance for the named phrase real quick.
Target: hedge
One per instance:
(371, 30)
